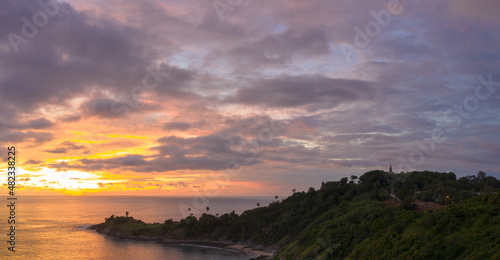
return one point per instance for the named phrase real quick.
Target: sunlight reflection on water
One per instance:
(54, 227)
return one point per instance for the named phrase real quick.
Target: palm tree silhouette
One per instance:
(208, 208)
(126, 213)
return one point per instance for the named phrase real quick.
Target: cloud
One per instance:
(59, 63)
(103, 107)
(58, 150)
(275, 49)
(33, 162)
(65, 147)
(40, 123)
(27, 136)
(486, 10)
(210, 152)
(127, 160)
(71, 118)
(312, 92)
(182, 126)
(177, 82)
(35, 124)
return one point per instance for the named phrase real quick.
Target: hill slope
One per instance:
(355, 220)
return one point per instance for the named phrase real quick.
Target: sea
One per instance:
(56, 227)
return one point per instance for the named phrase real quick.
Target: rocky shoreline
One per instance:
(260, 252)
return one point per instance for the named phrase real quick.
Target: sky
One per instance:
(244, 98)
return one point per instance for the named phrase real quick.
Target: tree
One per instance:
(276, 197)
(126, 214)
(208, 208)
(258, 205)
(354, 177)
(294, 190)
(481, 175)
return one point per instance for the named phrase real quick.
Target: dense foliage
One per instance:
(375, 216)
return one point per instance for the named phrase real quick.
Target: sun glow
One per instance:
(69, 182)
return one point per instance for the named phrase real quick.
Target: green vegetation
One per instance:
(382, 216)
(467, 230)
(131, 226)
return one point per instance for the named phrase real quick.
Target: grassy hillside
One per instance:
(356, 220)
(368, 229)
(467, 230)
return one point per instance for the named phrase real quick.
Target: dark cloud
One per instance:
(275, 49)
(177, 82)
(102, 107)
(110, 108)
(36, 124)
(58, 150)
(70, 118)
(27, 136)
(60, 62)
(33, 162)
(40, 123)
(313, 92)
(182, 126)
(65, 147)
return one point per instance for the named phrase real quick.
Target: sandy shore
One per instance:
(260, 253)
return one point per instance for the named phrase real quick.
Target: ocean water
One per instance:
(55, 227)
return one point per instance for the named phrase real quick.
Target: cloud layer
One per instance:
(141, 90)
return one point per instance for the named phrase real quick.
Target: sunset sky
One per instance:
(247, 97)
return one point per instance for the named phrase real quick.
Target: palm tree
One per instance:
(126, 214)
(276, 197)
(258, 205)
(294, 190)
(208, 208)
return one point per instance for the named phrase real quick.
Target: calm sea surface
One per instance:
(55, 227)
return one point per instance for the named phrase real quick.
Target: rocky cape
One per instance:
(258, 251)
